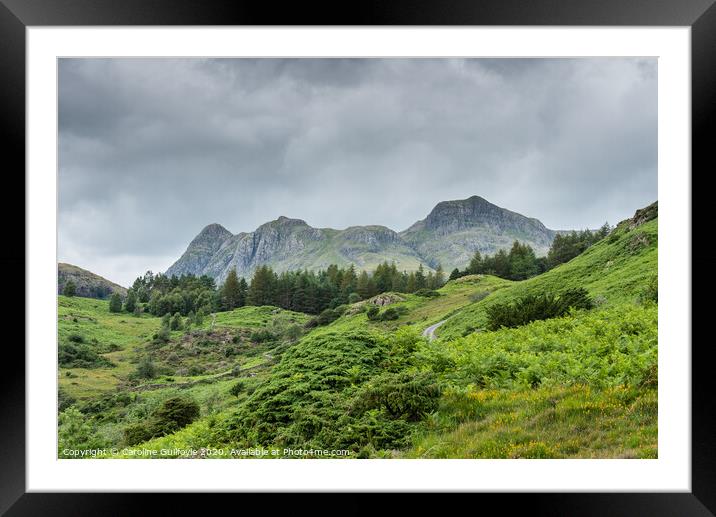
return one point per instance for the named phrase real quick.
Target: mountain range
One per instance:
(449, 236)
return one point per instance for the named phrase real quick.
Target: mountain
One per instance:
(88, 284)
(454, 230)
(289, 244)
(449, 236)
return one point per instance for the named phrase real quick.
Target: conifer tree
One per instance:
(231, 293)
(131, 302)
(439, 276)
(420, 278)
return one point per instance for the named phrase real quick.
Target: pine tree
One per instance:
(231, 294)
(131, 302)
(439, 277)
(476, 265)
(420, 278)
(410, 286)
(349, 282)
(430, 280)
(366, 287)
(261, 290)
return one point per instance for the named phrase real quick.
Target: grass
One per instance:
(92, 320)
(614, 271)
(579, 386)
(556, 422)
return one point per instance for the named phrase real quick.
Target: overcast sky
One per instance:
(153, 150)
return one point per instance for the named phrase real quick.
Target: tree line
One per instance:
(521, 262)
(305, 291)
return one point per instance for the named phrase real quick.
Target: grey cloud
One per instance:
(152, 150)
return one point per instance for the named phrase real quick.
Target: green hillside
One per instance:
(615, 270)
(582, 385)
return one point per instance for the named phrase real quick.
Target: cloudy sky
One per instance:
(153, 150)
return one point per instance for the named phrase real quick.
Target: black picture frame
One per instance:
(16, 15)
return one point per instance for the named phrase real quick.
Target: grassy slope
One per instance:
(91, 319)
(613, 272)
(581, 406)
(594, 372)
(131, 334)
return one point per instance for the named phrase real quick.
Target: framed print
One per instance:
(420, 253)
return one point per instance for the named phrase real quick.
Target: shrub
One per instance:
(64, 400)
(76, 431)
(237, 389)
(651, 292)
(162, 336)
(196, 370)
(174, 414)
(176, 322)
(76, 338)
(427, 293)
(80, 355)
(293, 332)
(577, 298)
(390, 314)
(372, 312)
(115, 303)
(137, 433)
(353, 298)
(145, 369)
(326, 317)
(403, 395)
(262, 336)
(536, 307)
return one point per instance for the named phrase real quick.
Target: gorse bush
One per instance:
(390, 314)
(80, 355)
(372, 312)
(314, 396)
(174, 414)
(262, 336)
(427, 293)
(536, 307)
(405, 395)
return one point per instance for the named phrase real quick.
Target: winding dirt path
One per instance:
(430, 331)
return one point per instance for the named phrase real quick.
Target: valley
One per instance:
(418, 374)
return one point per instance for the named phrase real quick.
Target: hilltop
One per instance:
(88, 284)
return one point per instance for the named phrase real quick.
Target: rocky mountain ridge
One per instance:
(449, 236)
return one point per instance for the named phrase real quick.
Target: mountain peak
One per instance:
(284, 221)
(212, 233)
